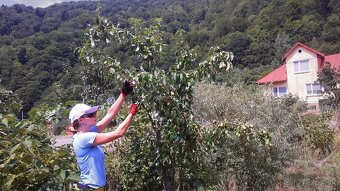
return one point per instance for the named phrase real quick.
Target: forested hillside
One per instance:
(38, 58)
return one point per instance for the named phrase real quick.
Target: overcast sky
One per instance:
(33, 3)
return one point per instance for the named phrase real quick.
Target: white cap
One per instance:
(81, 109)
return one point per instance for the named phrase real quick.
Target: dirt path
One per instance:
(67, 139)
(62, 140)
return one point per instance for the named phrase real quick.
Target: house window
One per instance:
(301, 66)
(279, 91)
(312, 107)
(314, 89)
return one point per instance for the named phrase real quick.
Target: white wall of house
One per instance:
(297, 81)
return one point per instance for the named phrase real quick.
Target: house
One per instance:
(298, 74)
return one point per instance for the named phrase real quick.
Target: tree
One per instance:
(317, 134)
(97, 66)
(22, 58)
(239, 43)
(169, 135)
(9, 103)
(329, 77)
(282, 45)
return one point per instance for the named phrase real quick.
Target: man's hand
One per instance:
(127, 87)
(133, 109)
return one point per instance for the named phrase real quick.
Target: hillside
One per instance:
(38, 60)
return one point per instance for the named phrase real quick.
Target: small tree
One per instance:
(318, 136)
(330, 79)
(167, 158)
(97, 66)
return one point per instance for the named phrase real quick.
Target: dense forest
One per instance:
(38, 44)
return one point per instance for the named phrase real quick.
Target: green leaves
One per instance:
(318, 135)
(241, 153)
(166, 97)
(329, 78)
(167, 156)
(28, 160)
(248, 137)
(146, 42)
(98, 68)
(9, 102)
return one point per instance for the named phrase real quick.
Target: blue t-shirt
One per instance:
(90, 158)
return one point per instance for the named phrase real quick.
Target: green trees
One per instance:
(45, 38)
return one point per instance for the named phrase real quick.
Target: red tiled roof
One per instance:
(306, 47)
(334, 60)
(278, 75)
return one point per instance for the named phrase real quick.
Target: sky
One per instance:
(33, 3)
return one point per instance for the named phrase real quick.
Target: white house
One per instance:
(298, 74)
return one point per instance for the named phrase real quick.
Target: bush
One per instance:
(29, 161)
(240, 157)
(242, 104)
(318, 136)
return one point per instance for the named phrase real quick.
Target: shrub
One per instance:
(29, 161)
(240, 157)
(247, 162)
(318, 136)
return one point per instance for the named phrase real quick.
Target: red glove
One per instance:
(127, 87)
(133, 109)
